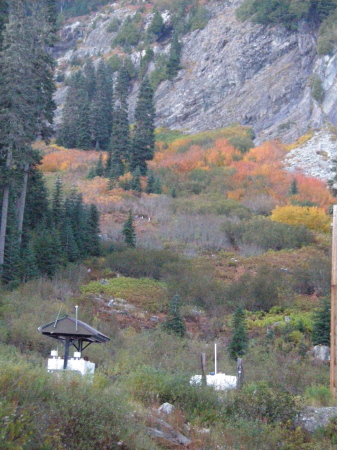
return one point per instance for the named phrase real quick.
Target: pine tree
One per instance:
(136, 182)
(239, 342)
(101, 107)
(150, 183)
(48, 248)
(293, 187)
(173, 63)
(66, 135)
(90, 79)
(129, 232)
(68, 241)
(92, 238)
(142, 148)
(100, 166)
(175, 323)
(82, 132)
(57, 204)
(321, 324)
(119, 148)
(26, 91)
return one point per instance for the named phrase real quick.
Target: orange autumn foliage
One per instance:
(62, 159)
(221, 154)
(314, 190)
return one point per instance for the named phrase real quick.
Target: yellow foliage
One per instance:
(312, 217)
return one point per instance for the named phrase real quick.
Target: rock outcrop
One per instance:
(232, 72)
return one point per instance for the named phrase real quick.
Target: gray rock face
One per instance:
(232, 72)
(312, 418)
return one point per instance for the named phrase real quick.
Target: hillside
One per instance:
(231, 71)
(223, 237)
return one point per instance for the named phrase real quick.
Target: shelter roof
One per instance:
(68, 327)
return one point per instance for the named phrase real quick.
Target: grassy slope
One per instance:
(141, 363)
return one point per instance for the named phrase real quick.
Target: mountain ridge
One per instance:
(256, 75)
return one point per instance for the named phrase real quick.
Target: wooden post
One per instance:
(239, 373)
(203, 369)
(333, 356)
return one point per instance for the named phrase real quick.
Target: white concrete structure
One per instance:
(219, 381)
(78, 364)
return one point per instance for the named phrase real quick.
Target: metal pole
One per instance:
(215, 360)
(333, 355)
(76, 309)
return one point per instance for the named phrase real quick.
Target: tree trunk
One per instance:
(4, 212)
(22, 201)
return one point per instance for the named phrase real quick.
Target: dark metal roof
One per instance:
(68, 327)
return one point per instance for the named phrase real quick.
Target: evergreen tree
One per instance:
(142, 148)
(119, 148)
(3, 18)
(48, 248)
(100, 167)
(37, 206)
(90, 79)
(150, 183)
(26, 93)
(239, 342)
(28, 264)
(57, 204)
(66, 135)
(175, 323)
(293, 187)
(92, 240)
(156, 26)
(68, 241)
(321, 324)
(129, 232)
(136, 182)
(173, 63)
(82, 132)
(101, 107)
(11, 275)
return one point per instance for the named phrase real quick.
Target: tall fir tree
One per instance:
(119, 148)
(83, 140)
(129, 231)
(322, 324)
(239, 341)
(26, 91)
(92, 239)
(173, 63)
(175, 322)
(66, 135)
(101, 107)
(90, 78)
(57, 204)
(142, 145)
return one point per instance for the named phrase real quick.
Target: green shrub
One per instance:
(266, 234)
(255, 292)
(317, 90)
(144, 292)
(318, 395)
(129, 34)
(261, 402)
(113, 26)
(150, 385)
(139, 263)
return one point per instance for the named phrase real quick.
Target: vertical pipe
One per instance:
(215, 360)
(76, 315)
(333, 356)
(66, 352)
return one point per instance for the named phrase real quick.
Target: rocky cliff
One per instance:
(232, 72)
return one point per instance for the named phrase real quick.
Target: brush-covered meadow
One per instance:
(230, 230)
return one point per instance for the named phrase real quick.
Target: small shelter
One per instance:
(72, 332)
